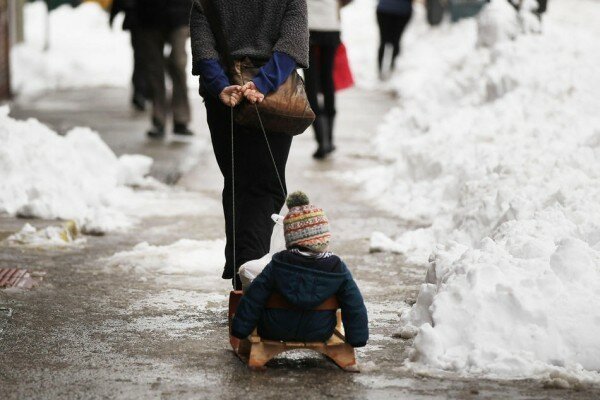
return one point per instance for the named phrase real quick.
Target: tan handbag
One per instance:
(286, 110)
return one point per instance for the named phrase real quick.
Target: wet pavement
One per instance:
(94, 332)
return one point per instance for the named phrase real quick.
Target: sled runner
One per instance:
(256, 352)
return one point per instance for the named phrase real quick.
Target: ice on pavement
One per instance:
(184, 257)
(78, 177)
(493, 152)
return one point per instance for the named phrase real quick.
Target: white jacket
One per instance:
(323, 15)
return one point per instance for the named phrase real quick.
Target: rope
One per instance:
(262, 127)
(281, 185)
(233, 201)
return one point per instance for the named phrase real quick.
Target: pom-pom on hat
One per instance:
(305, 225)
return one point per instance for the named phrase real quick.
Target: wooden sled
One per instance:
(256, 352)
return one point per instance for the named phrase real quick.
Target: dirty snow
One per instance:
(493, 154)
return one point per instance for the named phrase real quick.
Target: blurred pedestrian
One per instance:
(165, 22)
(273, 34)
(324, 26)
(392, 17)
(130, 23)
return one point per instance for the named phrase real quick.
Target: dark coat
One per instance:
(254, 28)
(306, 284)
(165, 14)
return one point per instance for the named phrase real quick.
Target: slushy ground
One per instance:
(92, 332)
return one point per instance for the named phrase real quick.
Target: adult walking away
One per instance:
(131, 24)
(324, 25)
(274, 34)
(392, 17)
(165, 22)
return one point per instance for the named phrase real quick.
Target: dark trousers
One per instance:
(391, 27)
(258, 193)
(152, 43)
(138, 78)
(319, 79)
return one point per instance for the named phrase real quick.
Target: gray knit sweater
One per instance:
(254, 28)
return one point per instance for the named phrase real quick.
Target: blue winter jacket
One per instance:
(396, 7)
(306, 284)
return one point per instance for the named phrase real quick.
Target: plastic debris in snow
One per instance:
(497, 149)
(251, 269)
(53, 236)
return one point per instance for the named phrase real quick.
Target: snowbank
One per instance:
(78, 177)
(83, 51)
(494, 153)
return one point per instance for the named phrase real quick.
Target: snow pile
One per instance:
(184, 257)
(75, 177)
(494, 153)
(83, 50)
(52, 236)
(361, 36)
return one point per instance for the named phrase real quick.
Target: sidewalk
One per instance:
(89, 332)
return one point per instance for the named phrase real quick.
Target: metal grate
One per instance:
(17, 278)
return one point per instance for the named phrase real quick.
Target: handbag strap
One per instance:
(210, 12)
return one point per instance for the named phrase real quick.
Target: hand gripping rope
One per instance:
(262, 127)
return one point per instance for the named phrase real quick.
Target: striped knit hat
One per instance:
(305, 225)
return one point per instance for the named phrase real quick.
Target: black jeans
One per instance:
(391, 27)
(258, 193)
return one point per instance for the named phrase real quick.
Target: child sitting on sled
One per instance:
(305, 274)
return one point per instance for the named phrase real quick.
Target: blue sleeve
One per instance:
(354, 313)
(213, 76)
(274, 73)
(252, 304)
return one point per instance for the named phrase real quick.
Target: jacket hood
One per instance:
(303, 287)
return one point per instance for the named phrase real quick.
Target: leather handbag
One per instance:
(286, 110)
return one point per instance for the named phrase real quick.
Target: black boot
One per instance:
(330, 124)
(138, 101)
(182, 129)
(157, 131)
(320, 135)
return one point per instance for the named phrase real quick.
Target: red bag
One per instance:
(342, 74)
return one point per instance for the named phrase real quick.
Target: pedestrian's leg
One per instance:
(138, 79)
(177, 63)
(328, 88)
(381, 51)
(151, 44)
(311, 76)
(399, 27)
(386, 26)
